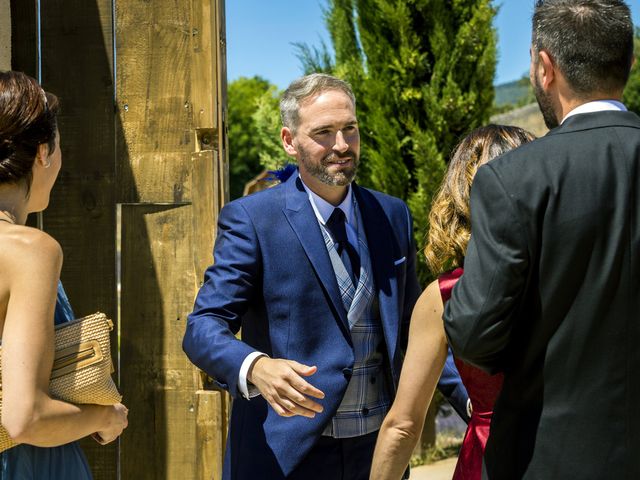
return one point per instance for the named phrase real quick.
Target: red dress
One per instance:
(483, 391)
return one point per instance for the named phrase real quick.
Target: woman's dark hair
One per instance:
(27, 120)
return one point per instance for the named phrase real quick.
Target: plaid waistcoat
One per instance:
(367, 398)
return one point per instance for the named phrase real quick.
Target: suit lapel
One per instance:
(304, 223)
(381, 252)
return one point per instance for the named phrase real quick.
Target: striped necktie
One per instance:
(348, 254)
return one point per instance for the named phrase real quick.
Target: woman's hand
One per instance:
(116, 422)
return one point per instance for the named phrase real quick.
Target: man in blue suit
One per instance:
(320, 275)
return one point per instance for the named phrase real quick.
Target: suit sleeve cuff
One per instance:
(248, 390)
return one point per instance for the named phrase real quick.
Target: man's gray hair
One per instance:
(307, 87)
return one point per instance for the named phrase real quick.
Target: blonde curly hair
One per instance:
(449, 218)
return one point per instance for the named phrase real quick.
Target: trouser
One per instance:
(338, 459)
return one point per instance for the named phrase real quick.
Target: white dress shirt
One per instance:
(597, 106)
(323, 211)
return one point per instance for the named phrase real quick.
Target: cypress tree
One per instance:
(422, 71)
(631, 96)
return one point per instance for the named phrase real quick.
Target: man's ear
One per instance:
(546, 69)
(287, 141)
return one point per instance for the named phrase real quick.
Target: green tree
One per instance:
(268, 125)
(422, 71)
(245, 96)
(631, 96)
(512, 95)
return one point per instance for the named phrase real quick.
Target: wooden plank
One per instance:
(23, 32)
(24, 52)
(221, 88)
(226, 412)
(77, 65)
(153, 98)
(154, 150)
(205, 211)
(5, 35)
(165, 95)
(158, 381)
(212, 181)
(205, 178)
(209, 439)
(204, 61)
(154, 166)
(76, 50)
(209, 75)
(162, 258)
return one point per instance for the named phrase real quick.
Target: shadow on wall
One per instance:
(76, 63)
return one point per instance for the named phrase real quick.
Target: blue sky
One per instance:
(260, 34)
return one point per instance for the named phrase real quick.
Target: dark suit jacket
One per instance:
(272, 276)
(551, 296)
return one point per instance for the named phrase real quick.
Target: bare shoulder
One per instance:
(430, 300)
(26, 247)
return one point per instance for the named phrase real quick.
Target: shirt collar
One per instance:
(324, 209)
(597, 106)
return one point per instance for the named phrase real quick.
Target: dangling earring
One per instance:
(48, 164)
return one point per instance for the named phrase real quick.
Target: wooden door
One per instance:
(142, 87)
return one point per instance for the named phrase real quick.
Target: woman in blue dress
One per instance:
(30, 298)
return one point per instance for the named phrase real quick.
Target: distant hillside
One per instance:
(527, 117)
(512, 93)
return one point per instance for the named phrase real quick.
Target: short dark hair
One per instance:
(307, 87)
(27, 119)
(590, 41)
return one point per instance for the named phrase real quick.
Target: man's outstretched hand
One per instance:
(280, 382)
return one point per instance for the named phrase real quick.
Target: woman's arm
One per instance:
(29, 414)
(423, 364)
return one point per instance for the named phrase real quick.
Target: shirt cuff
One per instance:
(248, 390)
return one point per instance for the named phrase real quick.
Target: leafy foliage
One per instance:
(246, 97)
(266, 119)
(422, 71)
(514, 95)
(631, 96)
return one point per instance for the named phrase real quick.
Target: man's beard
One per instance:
(546, 107)
(321, 171)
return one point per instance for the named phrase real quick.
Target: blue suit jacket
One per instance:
(272, 276)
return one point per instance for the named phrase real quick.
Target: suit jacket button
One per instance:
(347, 372)
(365, 411)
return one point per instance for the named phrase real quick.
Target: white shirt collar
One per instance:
(597, 106)
(324, 209)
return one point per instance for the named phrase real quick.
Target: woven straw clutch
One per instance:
(82, 367)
